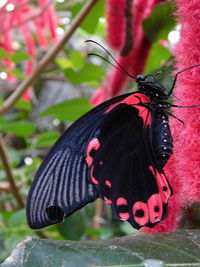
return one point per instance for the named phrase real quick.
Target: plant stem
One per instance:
(10, 177)
(12, 99)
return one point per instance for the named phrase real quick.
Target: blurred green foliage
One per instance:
(27, 141)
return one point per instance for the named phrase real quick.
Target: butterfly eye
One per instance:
(140, 77)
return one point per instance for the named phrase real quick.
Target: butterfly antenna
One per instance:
(120, 68)
(105, 59)
(170, 114)
(175, 78)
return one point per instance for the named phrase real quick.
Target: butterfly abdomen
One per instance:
(161, 138)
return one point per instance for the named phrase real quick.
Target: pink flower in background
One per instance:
(22, 17)
(116, 23)
(182, 169)
(134, 61)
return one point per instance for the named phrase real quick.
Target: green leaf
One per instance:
(64, 63)
(77, 59)
(91, 21)
(180, 249)
(22, 128)
(17, 73)
(69, 110)
(71, 228)
(46, 139)
(158, 56)
(18, 218)
(101, 233)
(4, 54)
(160, 22)
(89, 73)
(127, 228)
(19, 56)
(22, 104)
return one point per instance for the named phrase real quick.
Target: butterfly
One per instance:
(116, 152)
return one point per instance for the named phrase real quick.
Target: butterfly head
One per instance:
(150, 86)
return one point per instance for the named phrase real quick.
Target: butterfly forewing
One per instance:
(61, 184)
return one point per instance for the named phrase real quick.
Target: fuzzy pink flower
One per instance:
(183, 168)
(116, 23)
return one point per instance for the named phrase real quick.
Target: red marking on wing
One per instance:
(108, 201)
(93, 144)
(133, 100)
(121, 201)
(108, 183)
(140, 213)
(124, 216)
(162, 183)
(112, 106)
(94, 180)
(101, 162)
(155, 206)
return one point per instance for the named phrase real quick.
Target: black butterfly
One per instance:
(117, 152)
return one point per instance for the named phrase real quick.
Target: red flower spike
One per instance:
(187, 157)
(182, 169)
(116, 23)
(45, 21)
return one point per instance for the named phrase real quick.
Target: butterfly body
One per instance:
(117, 152)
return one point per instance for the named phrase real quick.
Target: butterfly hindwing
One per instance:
(61, 184)
(122, 164)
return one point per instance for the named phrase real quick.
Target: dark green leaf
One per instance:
(22, 128)
(18, 218)
(22, 104)
(101, 233)
(46, 139)
(180, 249)
(88, 73)
(160, 22)
(158, 56)
(68, 110)
(71, 228)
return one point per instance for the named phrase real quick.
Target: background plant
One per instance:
(46, 79)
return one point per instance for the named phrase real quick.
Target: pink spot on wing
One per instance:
(108, 201)
(155, 206)
(94, 180)
(101, 162)
(121, 201)
(124, 216)
(140, 213)
(133, 100)
(93, 145)
(163, 185)
(108, 183)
